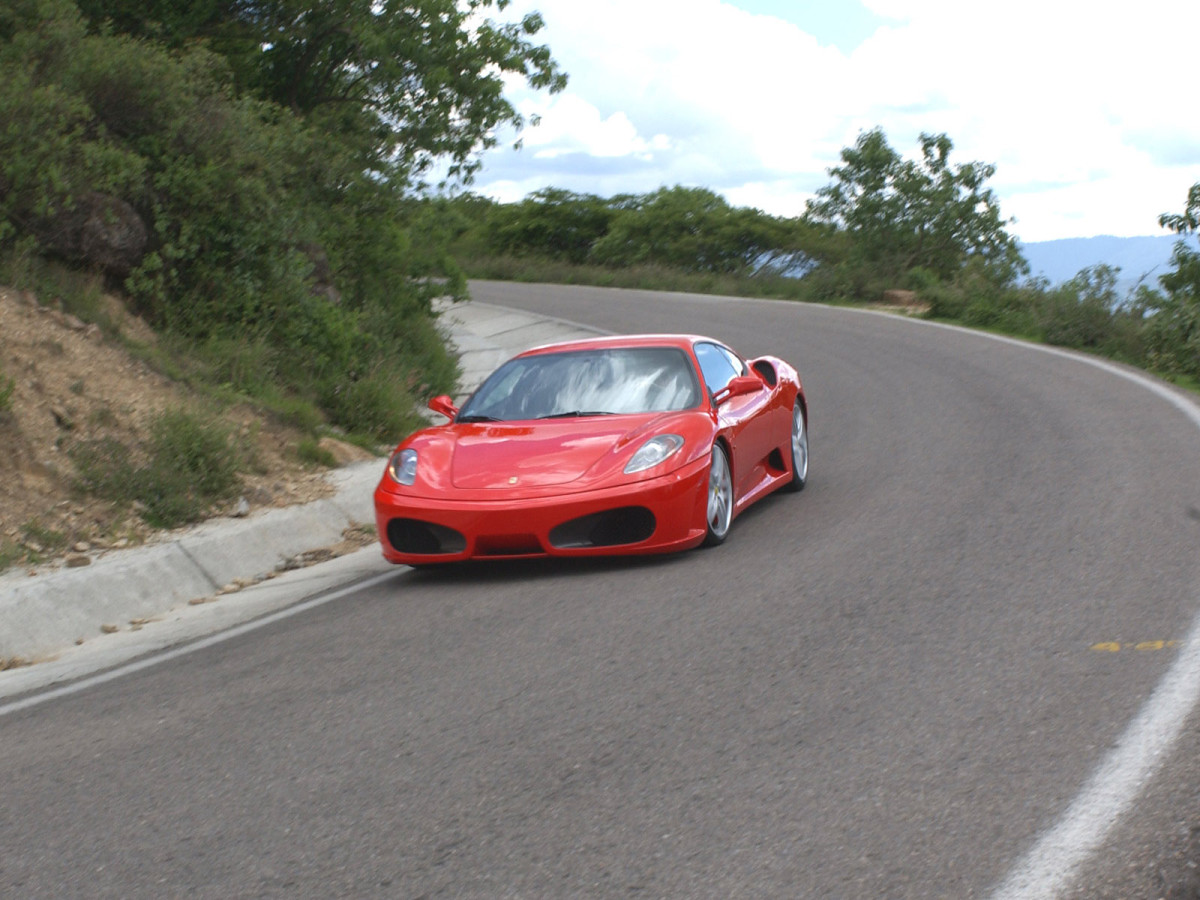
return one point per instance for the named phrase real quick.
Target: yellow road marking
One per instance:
(1115, 647)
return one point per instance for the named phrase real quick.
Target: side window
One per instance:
(718, 366)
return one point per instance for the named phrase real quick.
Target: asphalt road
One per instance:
(888, 685)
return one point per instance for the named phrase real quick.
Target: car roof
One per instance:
(682, 341)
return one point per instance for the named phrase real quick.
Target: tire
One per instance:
(719, 506)
(799, 446)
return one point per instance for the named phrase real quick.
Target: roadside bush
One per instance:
(7, 386)
(379, 403)
(10, 554)
(310, 451)
(946, 301)
(980, 297)
(271, 248)
(1079, 313)
(34, 534)
(79, 293)
(1000, 312)
(1171, 317)
(190, 463)
(1172, 337)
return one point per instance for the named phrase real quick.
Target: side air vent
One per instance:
(767, 371)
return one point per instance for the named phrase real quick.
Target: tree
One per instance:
(1172, 319)
(271, 244)
(903, 214)
(551, 222)
(696, 230)
(405, 82)
(1084, 312)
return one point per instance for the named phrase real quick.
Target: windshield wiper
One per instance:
(577, 413)
(468, 419)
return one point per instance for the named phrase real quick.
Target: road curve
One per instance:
(892, 684)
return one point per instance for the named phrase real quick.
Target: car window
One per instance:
(608, 381)
(719, 365)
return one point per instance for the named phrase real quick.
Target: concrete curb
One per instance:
(42, 615)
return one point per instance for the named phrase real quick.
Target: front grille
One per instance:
(611, 528)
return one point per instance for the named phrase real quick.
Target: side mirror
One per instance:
(742, 384)
(444, 405)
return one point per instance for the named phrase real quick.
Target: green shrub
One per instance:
(10, 554)
(201, 450)
(191, 462)
(53, 282)
(46, 538)
(379, 404)
(7, 386)
(1171, 317)
(309, 450)
(1080, 312)
(283, 267)
(946, 301)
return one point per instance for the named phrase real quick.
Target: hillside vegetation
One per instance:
(243, 178)
(927, 232)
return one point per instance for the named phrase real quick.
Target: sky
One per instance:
(1087, 110)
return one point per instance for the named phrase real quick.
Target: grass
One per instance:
(10, 554)
(310, 451)
(191, 463)
(7, 386)
(226, 371)
(1187, 382)
(77, 292)
(34, 544)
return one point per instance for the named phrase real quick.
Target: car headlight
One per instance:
(653, 452)
(403, 466)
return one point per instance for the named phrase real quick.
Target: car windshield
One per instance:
(586, 383)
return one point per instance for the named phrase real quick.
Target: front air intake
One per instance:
(611, 528)
(424, 538)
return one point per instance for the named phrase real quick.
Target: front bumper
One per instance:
(658, 515)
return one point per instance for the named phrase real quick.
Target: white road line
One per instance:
(1056, 859)
(147, 662)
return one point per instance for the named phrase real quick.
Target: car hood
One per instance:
(509, 455)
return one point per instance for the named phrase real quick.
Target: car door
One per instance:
(749, 430)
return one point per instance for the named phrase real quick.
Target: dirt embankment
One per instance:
(63, 382)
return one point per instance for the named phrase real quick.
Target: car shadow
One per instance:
(555, 566)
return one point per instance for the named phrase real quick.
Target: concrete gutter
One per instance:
(47, 615)
(45, 612)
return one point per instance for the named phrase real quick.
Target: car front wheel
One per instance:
(799, 449)
(720, 498)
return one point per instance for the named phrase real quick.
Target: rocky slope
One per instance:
(62, 382)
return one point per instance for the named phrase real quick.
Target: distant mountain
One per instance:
(1062, 260)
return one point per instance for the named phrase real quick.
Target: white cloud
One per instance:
(572, 125)
(1085, 113)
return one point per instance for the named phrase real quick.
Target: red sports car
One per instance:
(628, 444)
